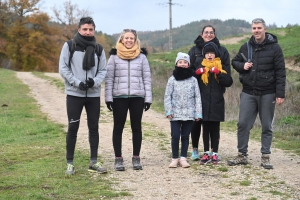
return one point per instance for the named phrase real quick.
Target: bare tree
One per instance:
(69, 16)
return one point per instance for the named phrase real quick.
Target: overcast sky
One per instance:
(112, 16)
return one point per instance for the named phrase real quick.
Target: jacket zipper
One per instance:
(128, 77)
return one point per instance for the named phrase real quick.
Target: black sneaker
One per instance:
(119, 164)
(136, 162)
(97, 168)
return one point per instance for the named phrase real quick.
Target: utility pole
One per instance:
(170, 21)
(170, 30)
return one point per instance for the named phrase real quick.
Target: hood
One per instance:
(270, 38)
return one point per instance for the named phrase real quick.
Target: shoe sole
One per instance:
(138, 168)
(267, 167)
(120, 169)
(94, 171)
(195, 159)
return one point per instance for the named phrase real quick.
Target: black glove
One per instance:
(109, 105)
(90, 82)
(83, 86)
(147, 106)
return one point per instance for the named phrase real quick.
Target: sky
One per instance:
(112, 16)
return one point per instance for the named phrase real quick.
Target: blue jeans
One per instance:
(180, 129)
(250, 106)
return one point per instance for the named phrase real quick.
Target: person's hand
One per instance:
(198, 119)
(248, 65)
(83, 86)
(279, 100)
(90, 82)
(170, 116)
(109, 105)
(200, 71)
(214, 70)
(147, 106)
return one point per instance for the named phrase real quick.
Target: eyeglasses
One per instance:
(209, 32)
(258, 20)
(130, 30)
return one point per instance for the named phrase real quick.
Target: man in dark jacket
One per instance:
(262, 74)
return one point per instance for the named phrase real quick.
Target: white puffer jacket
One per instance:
(128, 78)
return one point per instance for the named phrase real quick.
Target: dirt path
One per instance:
(157, 181)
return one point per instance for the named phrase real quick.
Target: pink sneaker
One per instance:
(174, 163)
(205, 158)
(183, 163)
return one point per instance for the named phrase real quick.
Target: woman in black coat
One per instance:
(213, 104)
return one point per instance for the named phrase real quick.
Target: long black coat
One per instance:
(212, 94)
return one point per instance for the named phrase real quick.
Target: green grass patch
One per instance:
(32, 152)
(245, 183)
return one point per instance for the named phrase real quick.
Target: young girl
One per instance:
(213, 79)
(182, 106)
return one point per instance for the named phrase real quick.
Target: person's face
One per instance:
(128, 40)
(210, 56)
(258, 31)
(208, 34)
(87, 30)
(182, 63)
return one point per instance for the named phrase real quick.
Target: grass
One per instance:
(54, 81)
(32, 152)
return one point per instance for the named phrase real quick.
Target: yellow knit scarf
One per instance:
(127, 54)
(210, 64)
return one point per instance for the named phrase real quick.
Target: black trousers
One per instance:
(195, 133)
(74, 110)
(211, 134)
(120, 108)
(211, 131)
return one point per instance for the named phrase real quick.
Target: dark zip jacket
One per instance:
(267, 76)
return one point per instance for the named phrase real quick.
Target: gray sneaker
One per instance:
(136, 162)
(119, 164)
(240, 159)
(265, 161)
(70, 169)
(96, 167)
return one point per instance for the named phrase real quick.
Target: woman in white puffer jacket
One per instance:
(128, 86)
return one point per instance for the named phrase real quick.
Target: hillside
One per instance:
(186, 34)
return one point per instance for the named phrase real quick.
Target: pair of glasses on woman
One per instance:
(130, 30)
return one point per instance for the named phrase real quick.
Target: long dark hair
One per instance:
(206, 27)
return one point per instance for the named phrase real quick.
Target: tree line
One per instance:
(30, 41)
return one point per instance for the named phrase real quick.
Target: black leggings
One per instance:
(74, 109)
(120, 108)
(211, 130)
(195, 133)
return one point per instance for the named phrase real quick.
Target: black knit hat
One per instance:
(211, 47)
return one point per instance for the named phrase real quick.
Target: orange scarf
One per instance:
(210, 64)
(127, 54)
